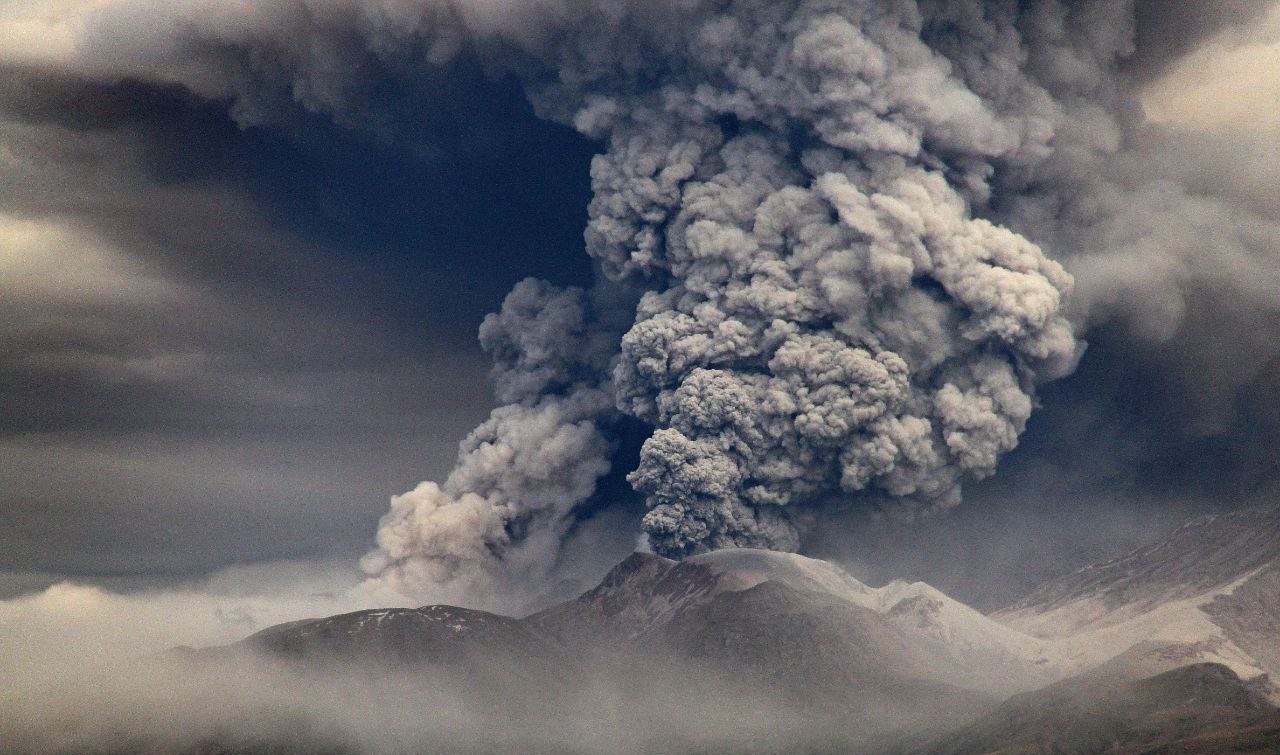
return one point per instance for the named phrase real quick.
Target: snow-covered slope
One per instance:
(1201, 556)
(1210, 592)
(1207, 593)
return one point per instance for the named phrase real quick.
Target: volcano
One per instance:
(1173, 645)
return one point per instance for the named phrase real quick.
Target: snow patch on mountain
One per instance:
(1205, 592)
(1085, 637)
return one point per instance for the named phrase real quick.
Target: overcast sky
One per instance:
(222, 344)
(228, 339)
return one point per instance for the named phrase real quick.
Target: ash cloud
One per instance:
(824, 322)
(509, 501)
(841, 246)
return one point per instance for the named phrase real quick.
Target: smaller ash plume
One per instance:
(520, 474)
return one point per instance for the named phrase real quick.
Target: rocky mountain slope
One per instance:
(1200, 708)
(1209, 592)
(916, 630)
(406, 634)
(739, 608)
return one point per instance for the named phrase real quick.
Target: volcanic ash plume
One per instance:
(509, 500)
(813, 223)
(828, 329)
(824, 323)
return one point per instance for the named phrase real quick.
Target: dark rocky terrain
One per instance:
(1112, 713)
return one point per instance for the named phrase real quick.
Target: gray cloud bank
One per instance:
(163, 705)
(842, 247)
(88, 670)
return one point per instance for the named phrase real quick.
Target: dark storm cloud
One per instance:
(1169, 29)
(220, 345)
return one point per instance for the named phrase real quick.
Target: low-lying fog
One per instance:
(91, 671)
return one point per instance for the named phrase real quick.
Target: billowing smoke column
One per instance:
(827, 326)
(824, 321)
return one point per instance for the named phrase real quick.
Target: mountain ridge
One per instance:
(1153, 601)
(1128, 644)
(1237, 543)
(1208, 591)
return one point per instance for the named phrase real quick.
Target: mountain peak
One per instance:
(751, 566)
(640, 565)
(640, 594)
